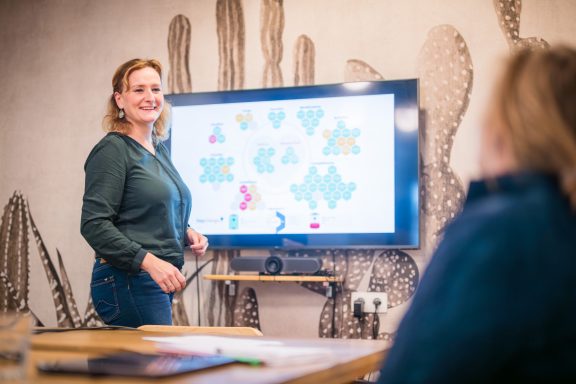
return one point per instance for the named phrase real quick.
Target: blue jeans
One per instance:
(127, 299)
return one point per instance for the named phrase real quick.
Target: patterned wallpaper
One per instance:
(446, 71)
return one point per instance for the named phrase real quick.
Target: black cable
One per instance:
(341, 291)
(198, 289)
(374, 322)
(362, 320)
(334, 297)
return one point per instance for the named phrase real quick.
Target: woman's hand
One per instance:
(198, 242)
(167, 276)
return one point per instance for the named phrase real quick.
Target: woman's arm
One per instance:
(197, 242)
(104, 187)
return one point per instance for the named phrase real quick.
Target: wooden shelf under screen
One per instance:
(278, 278)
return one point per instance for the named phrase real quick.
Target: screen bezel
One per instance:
(406, 164)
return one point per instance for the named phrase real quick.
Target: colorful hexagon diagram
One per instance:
(341, 140)
(310, 118)
(328, 187)
(250, 198)
(290, 156)
(276, 117)
(245, 121)
(216, 136)
(263, 160)
(217, 170)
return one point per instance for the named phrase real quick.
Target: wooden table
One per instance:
(351, 359)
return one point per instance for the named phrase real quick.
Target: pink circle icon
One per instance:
(243, 205)
(212, 139)
(247, 197)
(243, 189)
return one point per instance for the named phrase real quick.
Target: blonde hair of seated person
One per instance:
(531, 124)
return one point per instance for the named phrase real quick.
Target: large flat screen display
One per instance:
(325, 166)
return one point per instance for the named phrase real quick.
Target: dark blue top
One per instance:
(497, 302)
(134, 203)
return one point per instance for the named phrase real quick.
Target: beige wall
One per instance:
(57, 58)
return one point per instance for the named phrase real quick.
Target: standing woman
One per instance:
(136, 207)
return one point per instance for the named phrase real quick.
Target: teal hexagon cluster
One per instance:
(263, 160)
(290, 156)
(329, 187)
(216, 136)
(216, 170)
(310, 118)
(341, 140)
(276, 118)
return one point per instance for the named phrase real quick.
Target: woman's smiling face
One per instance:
(143, 101)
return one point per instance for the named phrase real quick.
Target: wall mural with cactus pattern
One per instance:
(446, 72)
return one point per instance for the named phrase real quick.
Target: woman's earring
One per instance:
(121, 114)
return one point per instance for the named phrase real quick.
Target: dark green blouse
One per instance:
(134, 203)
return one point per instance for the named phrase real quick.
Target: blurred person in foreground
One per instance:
(497, 302)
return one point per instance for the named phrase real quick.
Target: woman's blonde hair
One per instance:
(536, 104)
(112, 121)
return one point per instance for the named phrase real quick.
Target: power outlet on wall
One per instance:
(369, 298)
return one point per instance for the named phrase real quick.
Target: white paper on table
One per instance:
(269, 352)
